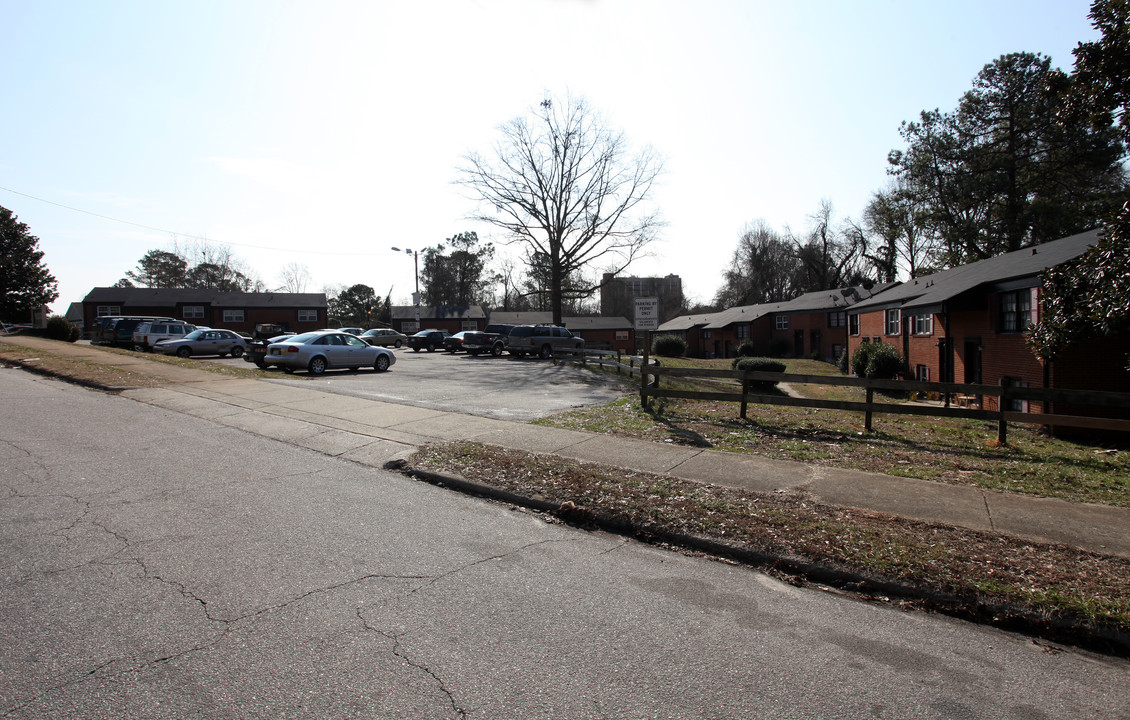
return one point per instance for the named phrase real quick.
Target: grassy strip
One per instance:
(940, 449)
(1037, 586)
(104, 375)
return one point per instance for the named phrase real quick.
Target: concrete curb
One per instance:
(798, 571)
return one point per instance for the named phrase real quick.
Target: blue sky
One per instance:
(324, 133)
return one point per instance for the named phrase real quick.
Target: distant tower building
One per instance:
(617, 295)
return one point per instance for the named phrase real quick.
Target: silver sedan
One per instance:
(325, 349)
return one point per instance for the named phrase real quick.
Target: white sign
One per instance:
(647, 313)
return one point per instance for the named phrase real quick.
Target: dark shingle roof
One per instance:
(442, 312)
(818, 301)
(931, 291)
(578, 323)
(172, 296)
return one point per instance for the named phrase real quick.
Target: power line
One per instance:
(185, 235)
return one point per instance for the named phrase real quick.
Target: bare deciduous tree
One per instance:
(295, 277)
(565, 184)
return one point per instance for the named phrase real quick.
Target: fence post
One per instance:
(1002, 425)
(745, 391)
(870, 397)
(643, 378)
(619, 360)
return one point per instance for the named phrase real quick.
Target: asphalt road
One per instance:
(154, 565)
(505, 387)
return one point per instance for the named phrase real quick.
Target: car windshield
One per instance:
(194, 335)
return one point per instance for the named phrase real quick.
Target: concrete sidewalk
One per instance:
(373, 432)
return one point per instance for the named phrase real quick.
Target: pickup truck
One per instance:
(491, 339)
(257, 346)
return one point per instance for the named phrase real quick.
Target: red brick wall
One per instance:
(809, 322)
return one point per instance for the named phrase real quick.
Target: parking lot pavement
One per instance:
(506, 388)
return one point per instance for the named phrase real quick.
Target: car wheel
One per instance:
(473, 353)
(317, 366)
(416, 349)
(183, 352)
(518, 354)
(545, 353)
(262, 365)
(288, 369)
(431, 348)
(139, 348)
(236, 351)
(382, 363)
(397, 344)
(496, 350)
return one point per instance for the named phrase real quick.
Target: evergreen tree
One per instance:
(25, 281)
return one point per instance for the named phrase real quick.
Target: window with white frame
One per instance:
(707, 334)
(1016, 311)
(469, 325)
(409, 326)
(922, 373)
(781, 322)
(837, 319)
(233, 316)
(108, 310)
(621, 334)
(893, 322)
(743, 332)
(192, 312)
(307, 316)
(853, 324)
(924, 324)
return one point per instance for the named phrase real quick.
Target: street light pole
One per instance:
(416, 298)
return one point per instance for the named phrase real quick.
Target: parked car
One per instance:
(322, 350)
(542, 340)
(351, 331)
(119, 333)
(148, 334)
(491, 339)
(454, 343)
(427, 340)
(384, 337)
(204, 342)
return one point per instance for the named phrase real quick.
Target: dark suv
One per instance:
(542, 340)
(427, 340)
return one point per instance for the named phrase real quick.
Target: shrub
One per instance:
(759, 364)
(843, 362)
(876, 360)
(859, 359)
(885, 362)
(59, 328)
(748, 349)
(669, 346)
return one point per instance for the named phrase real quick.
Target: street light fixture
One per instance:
(416, 296)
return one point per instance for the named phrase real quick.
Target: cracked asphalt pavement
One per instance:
(156, 565)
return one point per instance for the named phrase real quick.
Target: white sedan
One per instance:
(325, 349)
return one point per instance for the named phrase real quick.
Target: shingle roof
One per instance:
(818, 301)
(932, 291)
(173, 296)
(578, 323)
(443, 312)
(686, 322)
